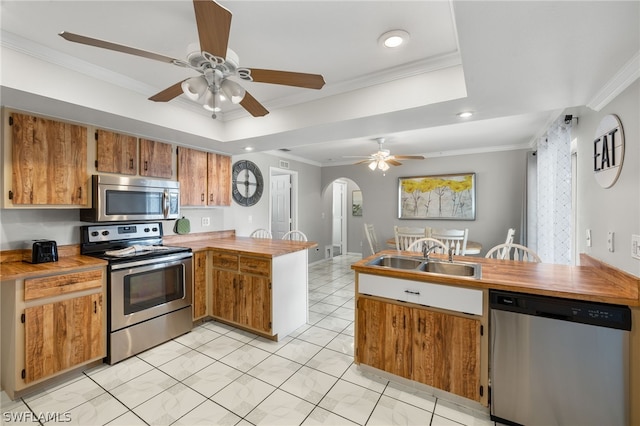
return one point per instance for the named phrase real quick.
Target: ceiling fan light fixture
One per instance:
(194, 87)
(382, 165)
(373, 165)
(210, 102)
(232, 91)
(393, 39)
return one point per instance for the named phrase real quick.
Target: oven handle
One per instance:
(161, 259)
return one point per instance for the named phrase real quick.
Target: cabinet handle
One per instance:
(202, 197)
(95, 307)
(412, 292)
(211, 197)
(80, 192)
(146, 165)
(131, 163)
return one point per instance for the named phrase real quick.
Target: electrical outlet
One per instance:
(635, 246)
(206, 221)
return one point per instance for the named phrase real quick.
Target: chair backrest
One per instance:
(456, 238)
(406, 235)
(420, 243)
(370, 232)
(295, 236)
(261, 233)
(513, 252)
(511, 232)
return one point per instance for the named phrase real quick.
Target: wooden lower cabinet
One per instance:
(61, 335)
(56, 323)
(431, 347)
(200, 285)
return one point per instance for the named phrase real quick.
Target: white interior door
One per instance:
(280, 205)
(339, 231)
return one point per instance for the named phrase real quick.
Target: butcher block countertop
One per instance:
(260, 247)
(593, 281)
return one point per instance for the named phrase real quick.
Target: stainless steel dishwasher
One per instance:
(558, 361)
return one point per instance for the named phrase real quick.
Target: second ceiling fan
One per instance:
(383, 158)
(215, 62)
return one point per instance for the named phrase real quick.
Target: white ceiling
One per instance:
(516, 64)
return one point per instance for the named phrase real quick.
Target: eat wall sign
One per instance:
(608, 151)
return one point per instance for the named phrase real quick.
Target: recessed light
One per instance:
(248, 148)
(394, 38)
(465, 114)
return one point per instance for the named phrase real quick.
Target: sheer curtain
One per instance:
(553, 215)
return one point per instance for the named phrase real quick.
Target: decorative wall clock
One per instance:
(248, 183)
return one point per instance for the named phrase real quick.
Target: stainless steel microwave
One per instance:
(117, 198)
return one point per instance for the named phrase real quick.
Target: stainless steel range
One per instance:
(149, 285)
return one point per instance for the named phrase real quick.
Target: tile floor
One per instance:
(217, 375)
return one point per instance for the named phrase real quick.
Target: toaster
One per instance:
(40, 251)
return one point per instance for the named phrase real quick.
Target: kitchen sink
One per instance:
(396, 262)
(459, 269)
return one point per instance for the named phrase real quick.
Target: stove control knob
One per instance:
(105, 233)
(146, 229)
(155, 229)
(94, 233)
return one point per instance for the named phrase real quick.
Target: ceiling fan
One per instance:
(382, 158)
(215, 62)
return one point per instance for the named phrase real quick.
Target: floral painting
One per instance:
(437, 197)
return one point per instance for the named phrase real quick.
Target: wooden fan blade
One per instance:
(252, 106)
(393, 162)
(363, 161)
(76, 38)
(168, 93)
(408, 157)
(214, 24)
(287, 78)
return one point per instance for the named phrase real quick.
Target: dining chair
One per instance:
(261, 233)
(370, 232)
(431, 244)
(456, 238)
(406, 235)
(513, 252)
(295, 236)
(511, 232)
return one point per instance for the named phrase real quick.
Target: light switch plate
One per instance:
(635, 246)
(588, 235)
(610, 241)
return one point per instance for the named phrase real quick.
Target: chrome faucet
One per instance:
(427, 250)
(451, 250)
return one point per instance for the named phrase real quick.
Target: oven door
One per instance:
(142, 292)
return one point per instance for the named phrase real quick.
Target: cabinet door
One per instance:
(446, 352)
(155, 159)
(49, 161)
(116, 153)
(255, 302)
(62, 335)
(225, 299)
(192, 175)
(200, 285)
(219, 180)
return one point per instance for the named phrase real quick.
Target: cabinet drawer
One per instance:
(225, 261)
(253, 265)
(35, 288)
(453, 298)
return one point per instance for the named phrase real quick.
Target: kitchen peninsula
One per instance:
(400, 312)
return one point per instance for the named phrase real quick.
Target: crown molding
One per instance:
(629, 73)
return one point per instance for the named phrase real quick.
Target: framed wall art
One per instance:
(356, 203)
(451, 197)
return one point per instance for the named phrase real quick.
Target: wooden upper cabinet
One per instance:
(116, 153)
(155, 159)
(219, 180)
(192, 175)
(49, 162)
(205, 178)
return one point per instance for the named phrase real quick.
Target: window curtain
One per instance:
(553, 209)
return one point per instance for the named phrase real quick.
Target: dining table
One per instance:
(473, 247)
